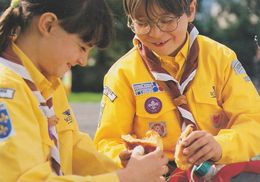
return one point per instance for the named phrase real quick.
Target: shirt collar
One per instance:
(45, 85)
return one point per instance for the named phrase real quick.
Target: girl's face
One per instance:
(163, 43)
(60, 51)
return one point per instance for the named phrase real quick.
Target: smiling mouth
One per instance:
(160, 44)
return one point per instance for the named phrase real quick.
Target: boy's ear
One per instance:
(193, 9)
(46, 22)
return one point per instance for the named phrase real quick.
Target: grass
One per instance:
(85, 97)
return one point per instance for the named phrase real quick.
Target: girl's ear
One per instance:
(46, 22)
(193, 9)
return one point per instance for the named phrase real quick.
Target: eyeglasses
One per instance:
(165, 24)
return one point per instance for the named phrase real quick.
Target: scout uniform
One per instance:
(24, 138)
(221, 97)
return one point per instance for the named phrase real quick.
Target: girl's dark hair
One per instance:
(90, 19)
(176, 7)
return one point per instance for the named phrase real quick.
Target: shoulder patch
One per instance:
(7, 93)
(6, 129)
(109, 93)
(238, 68)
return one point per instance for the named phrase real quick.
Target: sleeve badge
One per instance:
(6, 129)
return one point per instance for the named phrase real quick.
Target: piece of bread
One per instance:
(150, 142)
(181, 160)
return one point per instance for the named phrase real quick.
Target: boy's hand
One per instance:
(201, 146)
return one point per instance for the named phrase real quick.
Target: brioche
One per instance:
(150, 142)
(181, 159)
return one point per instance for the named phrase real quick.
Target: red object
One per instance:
(224, 175)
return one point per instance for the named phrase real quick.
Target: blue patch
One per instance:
(6, 129)
(145, 88)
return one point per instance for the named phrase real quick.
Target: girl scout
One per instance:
(39, 138)
(173, 77)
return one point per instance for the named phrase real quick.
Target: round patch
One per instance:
(153, 105)
(159, 127)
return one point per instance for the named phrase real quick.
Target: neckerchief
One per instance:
(12, 61)
(175, 89)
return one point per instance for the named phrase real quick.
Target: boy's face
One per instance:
(164, 43)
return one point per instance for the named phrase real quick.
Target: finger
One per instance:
(192, 137)
(197, 144)
(162, 179)
(204, 158)
(201, 155)
(164, 170)
(164, 160)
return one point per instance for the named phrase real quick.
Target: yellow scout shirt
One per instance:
(221, 97)
(24, 140)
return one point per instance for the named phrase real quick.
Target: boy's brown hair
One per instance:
(176, 7)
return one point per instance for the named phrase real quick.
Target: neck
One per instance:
(26, 44)
(179, 48)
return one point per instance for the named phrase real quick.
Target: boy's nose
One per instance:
(155, 32)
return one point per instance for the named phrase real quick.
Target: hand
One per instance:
(149, 167)
(201, 146)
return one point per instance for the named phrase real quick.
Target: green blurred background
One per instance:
(231, 22)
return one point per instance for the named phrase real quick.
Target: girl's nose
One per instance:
(83, 61)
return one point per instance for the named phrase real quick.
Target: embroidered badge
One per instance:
(67, 116)
(153, 105)
(109, 93)
(238, 68)
(213, 92)
(147, 87)
(159, 127)
(7, 93)
(6, 129)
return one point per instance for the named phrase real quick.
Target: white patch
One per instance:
(7, 93)
(102, 106)
(238, 68)
(145, 88)
(109, 93)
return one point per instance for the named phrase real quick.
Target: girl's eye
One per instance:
(143, 24)
(83, 49)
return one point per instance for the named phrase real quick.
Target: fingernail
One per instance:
(191, 160)
(184, 143)
(185, 151)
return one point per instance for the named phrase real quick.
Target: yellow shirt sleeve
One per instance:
(117, 116)
(241, 103)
